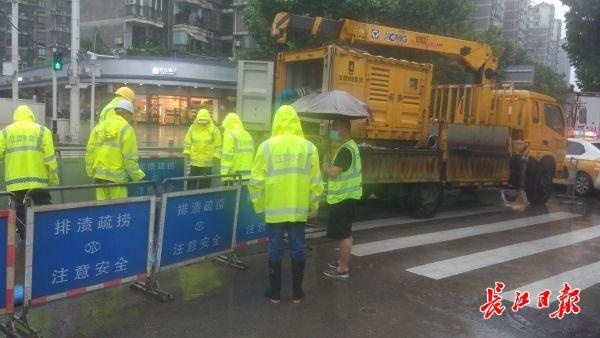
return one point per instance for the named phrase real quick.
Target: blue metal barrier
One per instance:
(196, 224)
(75, 248)
(7, 255)
(251, 225)
(158, 169)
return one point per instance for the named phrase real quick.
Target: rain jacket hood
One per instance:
(111, 131)
(202, 142)
(286, 122)
(203, 115)
(232, 122)
(23, 113)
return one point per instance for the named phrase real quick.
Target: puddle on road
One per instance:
(197, 280)
(97, 312)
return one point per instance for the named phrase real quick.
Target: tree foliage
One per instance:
(583, 41)
(546, 80)
(450, 17)
(98, 46)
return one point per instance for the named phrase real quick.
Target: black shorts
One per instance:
(341, 215)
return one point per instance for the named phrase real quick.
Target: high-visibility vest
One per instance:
(286, 170)
(348, 185)
(28, 152)
(237, 154)
(202, 142)
(112, 152)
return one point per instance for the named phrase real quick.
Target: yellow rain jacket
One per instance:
(202, 142)
(28, 152)
(286, 181)
(112, 152)
(238, 148)
(109, 109)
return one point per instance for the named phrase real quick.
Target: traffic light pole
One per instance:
(15, 53)
(54, 103)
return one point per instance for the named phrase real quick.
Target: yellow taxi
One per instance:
(586, 155)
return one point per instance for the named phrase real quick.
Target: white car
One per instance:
(587, 155)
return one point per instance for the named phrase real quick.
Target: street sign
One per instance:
(518, 74)
(196, 224)
(75, 248)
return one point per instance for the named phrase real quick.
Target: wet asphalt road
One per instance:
(381, 298)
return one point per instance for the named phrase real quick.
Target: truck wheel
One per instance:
(583, 185)
(423, 199)
(539, 188)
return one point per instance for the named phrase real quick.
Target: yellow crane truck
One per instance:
(422, 137)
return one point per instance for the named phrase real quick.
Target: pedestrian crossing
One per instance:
(448, 235)
(580, 277)
(394, 221)
(454, 266)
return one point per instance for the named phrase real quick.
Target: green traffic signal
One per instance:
(57, 62)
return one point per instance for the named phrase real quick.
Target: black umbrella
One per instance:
(336, 104)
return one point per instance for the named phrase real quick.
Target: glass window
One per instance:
(413, 84)
(554, 118)
(575, 148)
(535, 114)
(180, 38)
(582, 115)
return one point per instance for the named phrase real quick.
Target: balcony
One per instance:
(144, 14)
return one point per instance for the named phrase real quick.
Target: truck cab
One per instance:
(538, 128)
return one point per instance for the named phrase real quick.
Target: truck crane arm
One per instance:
(475, 56)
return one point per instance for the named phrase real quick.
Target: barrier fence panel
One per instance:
(158, 169)
(250, 225)
(7, 256)
(80, 247)
(196, 224)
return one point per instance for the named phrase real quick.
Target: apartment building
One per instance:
(43, 25)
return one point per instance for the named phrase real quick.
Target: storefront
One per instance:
(169, 92)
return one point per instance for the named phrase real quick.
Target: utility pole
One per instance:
(15, 53)
(93, 59)
(74, 79)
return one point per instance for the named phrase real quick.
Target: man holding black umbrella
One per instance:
(344, 188)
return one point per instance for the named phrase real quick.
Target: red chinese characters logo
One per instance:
(494, 302)
(521, 300)
(543, 299)
(567, 298)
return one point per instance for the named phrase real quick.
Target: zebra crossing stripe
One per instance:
(384, 222)
(448, 235)
(580, 278)
(454, 266)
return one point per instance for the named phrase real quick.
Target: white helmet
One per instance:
(125, 105)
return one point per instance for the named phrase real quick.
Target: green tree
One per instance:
(451, 17)
(98, 46)
(583, 41)
(546, 81)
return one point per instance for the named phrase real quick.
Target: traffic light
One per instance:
(57, 61)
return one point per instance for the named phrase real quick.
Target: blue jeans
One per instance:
(295, 231)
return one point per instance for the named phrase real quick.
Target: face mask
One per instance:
(334, 135)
